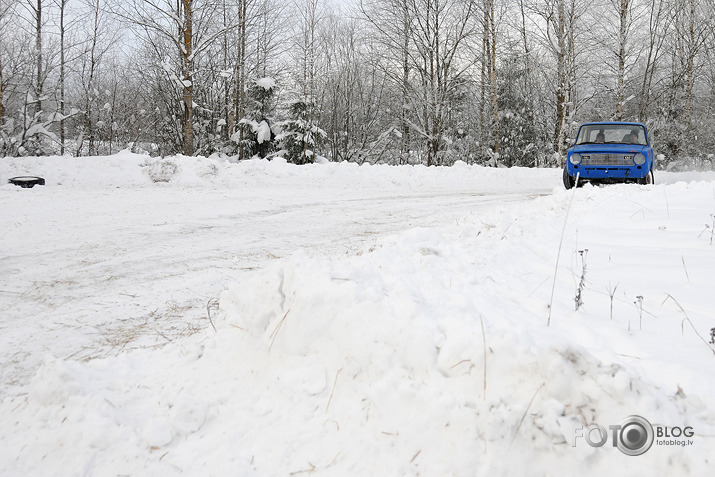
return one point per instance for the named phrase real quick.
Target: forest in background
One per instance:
(492, 82)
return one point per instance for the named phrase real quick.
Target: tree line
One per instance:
(496, 82)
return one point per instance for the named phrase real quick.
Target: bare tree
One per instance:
(173, 22)
(558, 23)
(685, 43)
(2, 88)
(251, 47)
(238, 109)
(624, 11)
(528, 78)
(16, 75)
(32, 130)
(354, 102)
(4, 9)
(88, 125)
(270, 19)
(392, 21)
(489, 69)
(405, 88)
(36, 10)
(302, 131)
(430, 36)
(658, 25)
(63, 7)
(307, 47)
(697, 32)
(187, 60)
(560, 20)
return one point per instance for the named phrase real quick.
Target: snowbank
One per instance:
(126, 169)
(134, 170)
(425, 353)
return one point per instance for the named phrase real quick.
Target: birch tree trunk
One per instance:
(692, 51)
(392, 23)
(405, 84)
(186, 54)
(490, 39)
(2, 80)
(239, 79)
(441, 28)
(308, 49)
(658, 24)
(227, 104)
(693, 31)
(562, 79)
(63, 4)
(2, 89)
(88, 123)
(38, 57)
(621, 74)
(528, 79)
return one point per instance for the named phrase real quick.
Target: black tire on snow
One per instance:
(649, 179)
(569, 182)
(27, 182)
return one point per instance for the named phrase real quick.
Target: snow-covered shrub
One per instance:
(160, 171)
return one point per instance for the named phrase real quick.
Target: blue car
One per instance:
(610, 152)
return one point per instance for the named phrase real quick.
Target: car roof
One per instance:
(606, 123)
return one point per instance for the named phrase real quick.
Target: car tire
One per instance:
(27, 182)
(569, 182)
(648, 179)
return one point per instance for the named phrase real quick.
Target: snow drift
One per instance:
(426, 352)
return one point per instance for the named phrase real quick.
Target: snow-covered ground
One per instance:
(364, 320)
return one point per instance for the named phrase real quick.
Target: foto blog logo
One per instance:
(633, 436)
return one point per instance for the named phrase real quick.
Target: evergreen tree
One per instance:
(258, 135)
(519, 136)
(300, 136)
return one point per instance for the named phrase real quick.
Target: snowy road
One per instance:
(373, 320)
(91, 271)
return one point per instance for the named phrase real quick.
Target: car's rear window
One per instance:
(611, 134)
